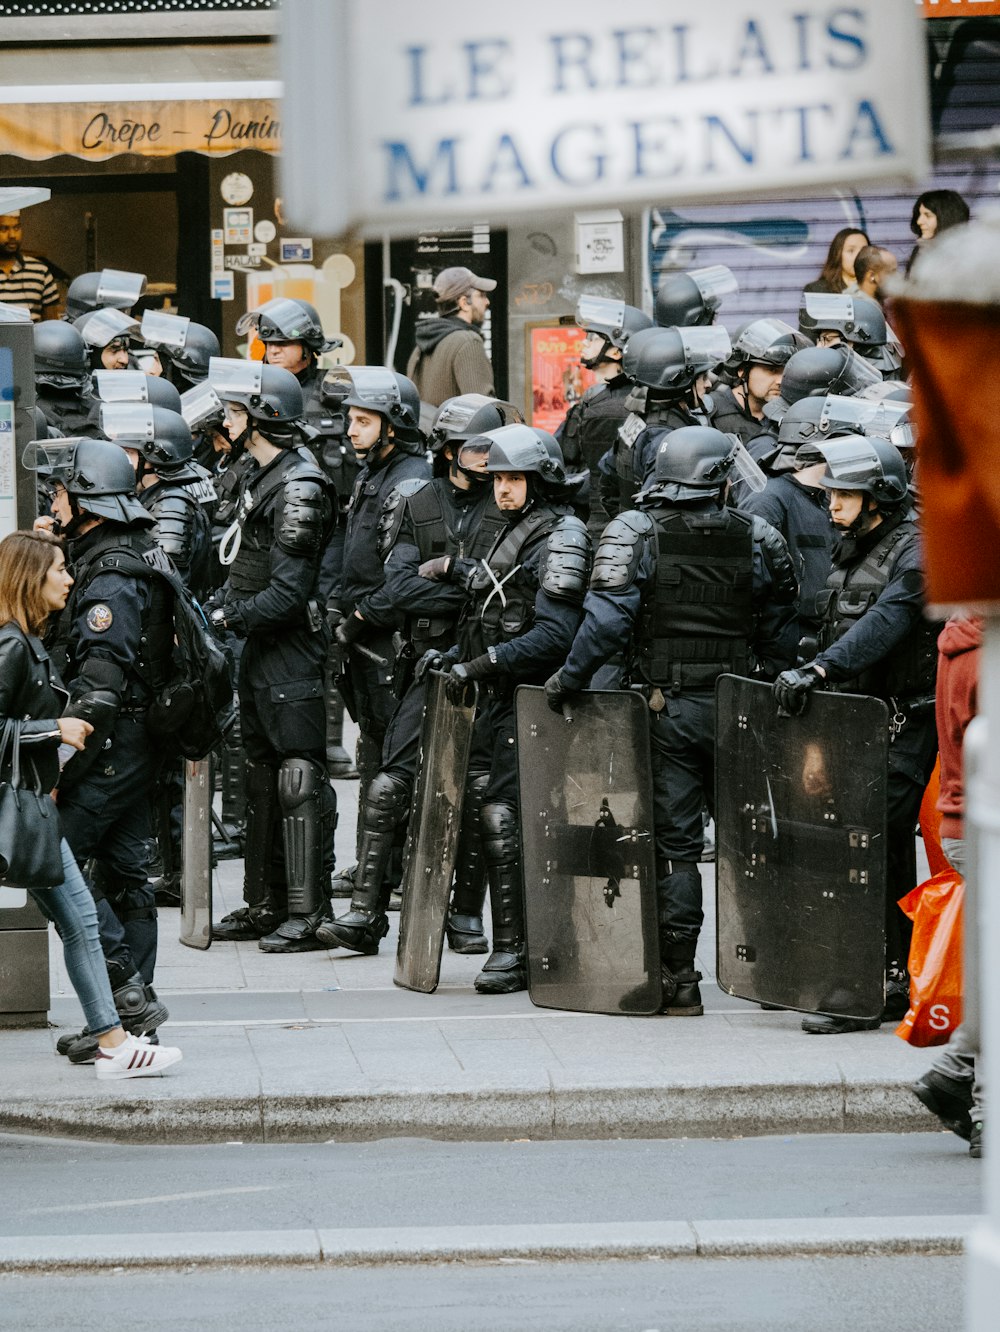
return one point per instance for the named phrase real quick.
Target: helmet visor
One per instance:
(104, 326)
(234, 378)
(454, 416)
(825, 310)
(371, 386)
(600, 314)
(758, 338)
(127, 421)
(851, 464)
(120, 385)
(117, 288)
(160, 329)
(746, 468)
(705, 348)
(714, 283)
(52, 458)
(278, 319)
(870, 418)
(856, 374)
(200, 405)
(474, 454)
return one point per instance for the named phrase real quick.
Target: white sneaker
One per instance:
(135, 1058)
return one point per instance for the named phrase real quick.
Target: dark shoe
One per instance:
(395, 900)
(297, 934)
(84, 1050)
(504, 973)
(342, 884)
(897, 997)
(167, 890)
(64, 1042)
(465, 934)
(773, 1008)
(357, 931)
(976, 1140)
(245, 924)
(819, 1024)
(947, 1098)
(681, 995)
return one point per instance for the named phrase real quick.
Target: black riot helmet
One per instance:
(613, 321)
(872, 466)
(111, 288)
(61, 357)
(162, 438)
(817, 371)
(523, 448)
(671, 359)
(99, 327)
(134, 386)
(392, 396)
(769, 342)
(687, 300)
(187, 346)
(463, 417)
(270, 396)
(860, 323)
(96, 474)
(805, 425)
(693, 464)
(287, 319)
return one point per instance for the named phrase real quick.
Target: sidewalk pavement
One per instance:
(323, 1046)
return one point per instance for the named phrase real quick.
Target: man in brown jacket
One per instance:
(450, 358)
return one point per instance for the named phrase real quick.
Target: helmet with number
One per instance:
(161, 437)
(111, 288)
(187, 346)
(61, 357)
(872, 466)
(96, 474)
(287, 319)
(817, 371)
(391, 395)
(693, 463)
(769, 342)
(134, 386)
(613, 321)
(672, 359)
(686, 300)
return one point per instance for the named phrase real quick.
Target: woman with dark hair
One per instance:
(34, 583)
(838, 271)
(935, 211)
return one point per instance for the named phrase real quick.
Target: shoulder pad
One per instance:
(390, 520)
(304, 515)
(618, 552)
(785, 584)
(174, 532)
(409, 487)
(565, 564)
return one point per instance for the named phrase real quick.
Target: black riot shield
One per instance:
(586, 797)
(432, 835)
(801, 849)
(196, 856)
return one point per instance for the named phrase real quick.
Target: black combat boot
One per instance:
(261, 916)
(505, 970)
(681, 995)
(308, 824)
(363, 927)
(138, 1006)
(465, 916)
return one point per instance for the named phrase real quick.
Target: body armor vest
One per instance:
(657, 415)
(260, 497)
(696, 620)
(908, 672)
(503, 605)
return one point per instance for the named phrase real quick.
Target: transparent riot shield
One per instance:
(196, 856)
(432, 836)
(586, 797)
(801, 849)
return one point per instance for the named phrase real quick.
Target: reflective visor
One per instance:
(371, 386)
(850, 463)
(117, 288)
(456, 413)
(714, 283)
(160, 329)
(201, 404)
(125, 421)
(474, 455)
(102, 326)
(827, 310)
(231, 376)
(281, 316)
(52, 458)
(705, 348)
(762, 334)
(856, 375)
(596, 312)
(120, 385)
(872, 418)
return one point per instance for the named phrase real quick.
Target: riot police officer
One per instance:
(62, 378)
(432, 533)
(857, 322)
(591, 425)
(293, 338)
(109, 289)
(109, 336)
(755, 367)
(691, 300)
(383, 415)
(273, 551)
(875, 640)
(690, 589)
(814, 372)
(524, 607)
(184, 347)
(112, 645)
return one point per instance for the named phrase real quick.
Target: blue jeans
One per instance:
(72, 910)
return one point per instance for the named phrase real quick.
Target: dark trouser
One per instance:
(107, 818)
(375, 703)
(911, 761)
(682, 744)
(284, 736)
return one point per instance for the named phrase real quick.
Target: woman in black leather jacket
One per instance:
(34, 582)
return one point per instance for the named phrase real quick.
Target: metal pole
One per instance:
(983, 816)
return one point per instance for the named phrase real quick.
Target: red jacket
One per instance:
(958, 671)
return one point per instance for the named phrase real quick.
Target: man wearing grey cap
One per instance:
(450, 358)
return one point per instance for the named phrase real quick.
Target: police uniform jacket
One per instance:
(802, 515)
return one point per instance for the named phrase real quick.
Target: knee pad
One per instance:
(300, 781)
(500, 833)
(386, 802)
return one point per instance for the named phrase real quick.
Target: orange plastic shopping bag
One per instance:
(936, 909)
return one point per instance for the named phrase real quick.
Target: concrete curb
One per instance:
(158, 1111)
(796, 1237)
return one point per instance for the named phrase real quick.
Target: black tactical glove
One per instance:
(556, 693)
(349, 630)
(462, 675)
(334, 618)
(436, 570)
(432, 660)
(792, 689)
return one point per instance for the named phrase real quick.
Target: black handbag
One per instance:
(30, 835)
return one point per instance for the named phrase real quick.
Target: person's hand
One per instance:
(432, 660)
(44, 523)
(792, 689)
(458, 683)
(349, 630)
(556, 693)
(73, 731)
(436, 570)
(334, 618)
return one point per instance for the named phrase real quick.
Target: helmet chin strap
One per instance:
(73, 526)
(592, 362)
(239, 444)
